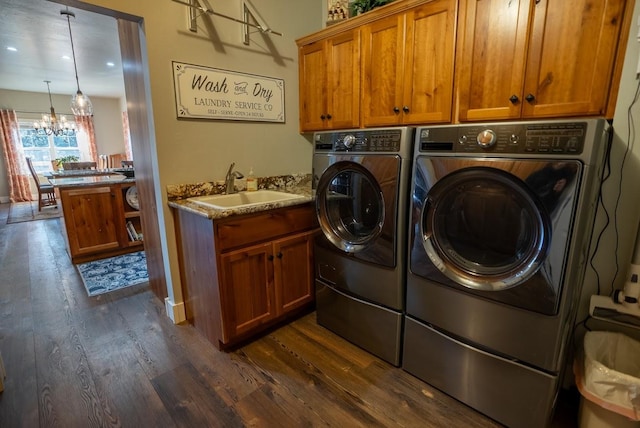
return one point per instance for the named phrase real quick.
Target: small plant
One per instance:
(64, 159)
(362, 6)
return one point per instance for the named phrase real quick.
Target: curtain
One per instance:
(127, 136)
(17, 173)
(86, 131)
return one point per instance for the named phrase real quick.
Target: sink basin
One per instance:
(243, 199)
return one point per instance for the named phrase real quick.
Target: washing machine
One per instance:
(361, 183)
(501, 216)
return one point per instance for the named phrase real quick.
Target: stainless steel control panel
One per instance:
(505, 138)
(385, 140)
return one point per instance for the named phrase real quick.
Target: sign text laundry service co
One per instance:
(210, 93)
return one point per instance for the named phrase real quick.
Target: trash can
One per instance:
(608, 377)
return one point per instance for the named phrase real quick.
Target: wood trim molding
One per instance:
(357, 21)
(141, 134)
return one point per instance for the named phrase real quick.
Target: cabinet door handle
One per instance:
(329, 116)
(514, 99)
(270, 257)
(396, 110)
(405, 109)
(322, 117)
(530, 97)
(279, 255)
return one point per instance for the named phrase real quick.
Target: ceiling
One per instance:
(41, 36)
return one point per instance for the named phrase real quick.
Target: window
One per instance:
(42, 148)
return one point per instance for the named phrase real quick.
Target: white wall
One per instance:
(107, 120)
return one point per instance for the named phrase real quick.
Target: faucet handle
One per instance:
(231, 168)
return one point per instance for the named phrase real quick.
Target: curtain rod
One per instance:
(42, 112)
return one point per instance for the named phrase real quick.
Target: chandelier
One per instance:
(50, 124)
(80, 103)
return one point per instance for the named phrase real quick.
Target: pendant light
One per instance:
(50, 125)
(80, 103)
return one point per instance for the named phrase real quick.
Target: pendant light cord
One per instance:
(68, 13)
(49, 91)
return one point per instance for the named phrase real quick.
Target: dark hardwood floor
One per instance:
(117, 360)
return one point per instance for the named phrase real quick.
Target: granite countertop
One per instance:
(178, 196)
(80, 181)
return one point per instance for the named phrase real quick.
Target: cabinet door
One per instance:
(492, 43)
(312, 76)
(382, 68)
(293, 268)
(571, 57)
(428, 75)
(246, 289)
(91, 220)
(343, 80)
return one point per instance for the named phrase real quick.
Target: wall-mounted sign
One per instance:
(211, 93)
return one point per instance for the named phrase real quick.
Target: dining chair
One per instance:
(79, 165)
(46, 193)
(114, 160)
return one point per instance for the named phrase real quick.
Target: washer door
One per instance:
(484, 229)
(356, 213)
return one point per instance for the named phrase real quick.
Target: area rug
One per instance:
(114, 273)
(28, 211)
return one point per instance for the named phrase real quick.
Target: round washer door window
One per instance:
(350, 206)
(484, 229)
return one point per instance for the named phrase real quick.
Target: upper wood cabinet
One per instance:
(407, 66)
(537, 58)
(329, 72)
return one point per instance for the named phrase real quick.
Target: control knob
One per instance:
(486, 138)
(349, 141)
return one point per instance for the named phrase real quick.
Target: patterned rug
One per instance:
(114, 273)
(28, 211)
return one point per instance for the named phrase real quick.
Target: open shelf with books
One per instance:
(131, 211)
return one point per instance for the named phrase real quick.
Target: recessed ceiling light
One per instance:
(66, 57)
(12, 49)
(110, 64)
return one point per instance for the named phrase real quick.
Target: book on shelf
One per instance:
(133, 234)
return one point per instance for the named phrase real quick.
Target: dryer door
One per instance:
(485, 229)
(356, 202)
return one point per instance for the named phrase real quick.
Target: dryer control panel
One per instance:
(384, 140)
(505, 138)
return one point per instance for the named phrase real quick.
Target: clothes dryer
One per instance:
(361, 187)
(501, 219)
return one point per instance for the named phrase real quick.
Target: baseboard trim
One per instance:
(4, 199)
(175, 311)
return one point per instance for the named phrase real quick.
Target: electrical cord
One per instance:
(606, 173)
(631, 136)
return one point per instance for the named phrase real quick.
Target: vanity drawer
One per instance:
(239, 231)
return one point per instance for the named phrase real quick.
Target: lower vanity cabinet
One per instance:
(265, 281)
(244, 273)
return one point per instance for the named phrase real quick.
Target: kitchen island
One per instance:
(101, 216)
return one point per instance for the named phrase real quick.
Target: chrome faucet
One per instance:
(230, 179)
